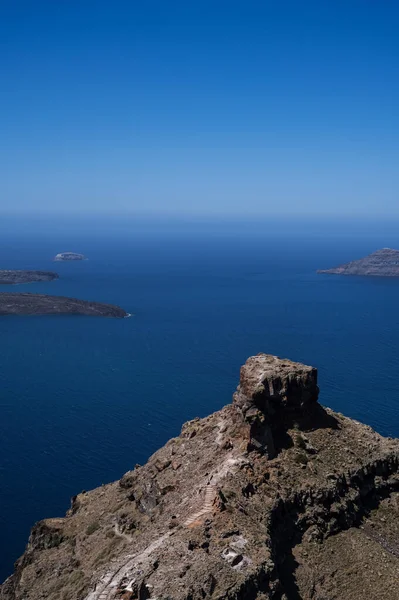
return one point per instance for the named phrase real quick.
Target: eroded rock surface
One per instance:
(267, 498)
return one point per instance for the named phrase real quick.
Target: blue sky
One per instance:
(202, 107)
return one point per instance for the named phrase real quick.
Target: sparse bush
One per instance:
(230, 494)
(300, 442)
(301, 458)
(92, 527)
(107, 553)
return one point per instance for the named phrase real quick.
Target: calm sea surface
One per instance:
(83, 399)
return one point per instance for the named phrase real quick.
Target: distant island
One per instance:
(11, 277)
(69, 256)
(382, 263)
(41, 304)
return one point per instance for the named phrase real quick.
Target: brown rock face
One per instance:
(272, 497)
(273, 385)
(273, 394)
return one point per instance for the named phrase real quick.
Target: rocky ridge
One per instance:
(273, 496)
(382, 263)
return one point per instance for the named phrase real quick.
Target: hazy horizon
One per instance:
(29, 228)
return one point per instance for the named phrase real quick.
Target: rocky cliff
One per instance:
(273, 496)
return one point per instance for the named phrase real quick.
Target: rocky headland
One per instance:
(42, 304)
(9, 276)
(272, 497)
(382, 263)
(69, 256)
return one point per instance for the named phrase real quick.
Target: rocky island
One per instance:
(42, 304)
(8, 277)
(382, 263)
(272, 497)
(69, 256)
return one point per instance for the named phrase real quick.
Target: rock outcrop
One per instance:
(382, 263)
(273, 497)
(272, 394)
(8, 277)
(42, 304)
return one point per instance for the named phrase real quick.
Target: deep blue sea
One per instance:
(84, 399)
